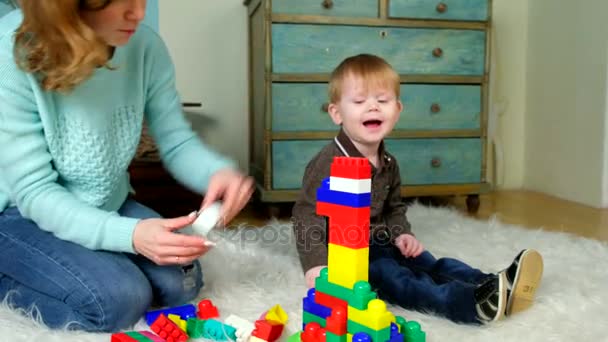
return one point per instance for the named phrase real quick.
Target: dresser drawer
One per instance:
(299, 107)
(437, 161)
(289, 159)
(430, 106)
(307, 48)
(473, 10)
(336, 8)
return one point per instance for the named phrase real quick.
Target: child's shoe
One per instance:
(523, 278)
(491, 298)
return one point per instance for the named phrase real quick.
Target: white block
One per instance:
(207, 219)
(243, 327)
(353, 186)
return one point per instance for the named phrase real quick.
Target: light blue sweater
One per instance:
(64, 158)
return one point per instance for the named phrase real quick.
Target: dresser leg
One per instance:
(473, 203)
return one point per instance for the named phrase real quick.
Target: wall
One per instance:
(566, 104)
(208, 41)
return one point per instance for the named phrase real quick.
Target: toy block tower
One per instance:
(342, 307)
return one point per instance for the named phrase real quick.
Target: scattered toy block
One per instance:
(184, 312)
(207, 310)
(243, 327)
(178, 321)
(218, 331)
(168, 330)
(277, 314)
(195, 327)
(267, 330)
(151, 336)
(122, 337)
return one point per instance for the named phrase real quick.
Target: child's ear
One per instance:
(332, 109)
(400, 106)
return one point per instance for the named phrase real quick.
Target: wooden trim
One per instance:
(253, 5)
(383, 9)
(323, 78)
(268, 102)
(485, 100)
(406, 191)
(413, 23)
(325, 135)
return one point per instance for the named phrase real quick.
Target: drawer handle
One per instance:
(437, 52)
(441, 7)
(325, 107)
(435, 108)
(327, 4)
(436, 162)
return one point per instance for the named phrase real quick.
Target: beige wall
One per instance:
(207, 40)
(566, 99)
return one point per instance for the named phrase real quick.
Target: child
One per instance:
(364, 101)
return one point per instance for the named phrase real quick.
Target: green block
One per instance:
(295, 337)
(357, 298)
(307, 317)
(195, 327)
(331, 337)
(413, 333)
(401, 322)
(137, 336)
(376, 335)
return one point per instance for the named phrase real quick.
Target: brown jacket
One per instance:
(387, 219)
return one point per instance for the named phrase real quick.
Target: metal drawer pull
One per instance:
(437, 52)
(327, 4)
(436, 162)
(441, 7)
(435, 108)
(325, 107)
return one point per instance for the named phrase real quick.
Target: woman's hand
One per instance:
(156, 240)
(231, 187)
(409, 246)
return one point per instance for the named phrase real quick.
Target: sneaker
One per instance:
(491, 299)
(523, 278)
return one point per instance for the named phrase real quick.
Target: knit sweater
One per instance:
(64, 157)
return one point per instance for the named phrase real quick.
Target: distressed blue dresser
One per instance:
(440, 49)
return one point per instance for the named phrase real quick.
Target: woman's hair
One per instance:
(54, 42)
(374, 71)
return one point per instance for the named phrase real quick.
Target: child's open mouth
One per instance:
(372, 123)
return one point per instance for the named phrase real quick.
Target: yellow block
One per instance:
(349, 337)
(375, 317)
(179, 321)
(346, 266)
(277, 314)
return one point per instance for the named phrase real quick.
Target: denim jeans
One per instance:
(443, 286)
(68, 285)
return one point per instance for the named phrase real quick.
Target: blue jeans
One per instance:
(440, 286)
(78, 288)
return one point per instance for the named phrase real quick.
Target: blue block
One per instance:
(361, 337)
(309, 305)
(396, 336)
(184, 312)
(324, 194)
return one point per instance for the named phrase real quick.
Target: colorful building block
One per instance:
(376, 335)
(354, 186)
(336, 322)
(218, 331)
(324, 194)
(331, 337)
(375, 317)
(267, 330)
(207, 310)
(313, 332)
(277, 314)
(358, 297)
(195, 327)
(346, 266)
(178, 321)
(329, 301)
(413, 332)
(151, 336)
(168, 330)
(307, 317)
(295, 337)
(351, 167)
(184, 312)
(396, 336)
(243, 327)
(310, 305)
(122, 337)
(361, 337)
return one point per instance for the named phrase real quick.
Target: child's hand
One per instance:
(312, 274)
(409, 246)
(233, 188)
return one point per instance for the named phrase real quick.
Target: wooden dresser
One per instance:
(441, 51)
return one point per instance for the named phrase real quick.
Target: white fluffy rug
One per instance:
(252, 270)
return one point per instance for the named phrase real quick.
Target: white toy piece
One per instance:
(243, 327)
(207, 220)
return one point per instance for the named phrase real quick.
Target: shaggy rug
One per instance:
(252, 269)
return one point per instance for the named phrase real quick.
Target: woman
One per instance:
(77, 79)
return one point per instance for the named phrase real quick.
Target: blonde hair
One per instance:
(54, 43)
(372, 69)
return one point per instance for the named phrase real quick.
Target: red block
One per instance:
(336, 322)
(348, 233)
(343, 211)
(267, 330)
(168, 330)
(351, 167)
(207, 310)
(330, 301)
(122, 337)
(313, 333)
